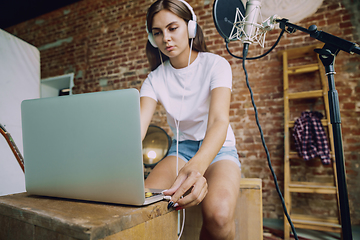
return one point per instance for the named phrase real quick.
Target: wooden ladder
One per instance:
(331, 224)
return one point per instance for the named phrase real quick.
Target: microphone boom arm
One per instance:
(322, 36)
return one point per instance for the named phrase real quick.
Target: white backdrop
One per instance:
(19, 80)
(294, 10)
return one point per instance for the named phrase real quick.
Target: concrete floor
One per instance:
(277, 224)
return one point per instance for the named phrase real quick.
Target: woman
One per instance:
(194, 86)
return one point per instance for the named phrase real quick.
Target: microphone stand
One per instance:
(327, 56)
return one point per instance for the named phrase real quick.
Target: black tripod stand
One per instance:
(327, 56)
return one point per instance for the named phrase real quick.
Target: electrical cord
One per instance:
(253, 58)
(245, 51)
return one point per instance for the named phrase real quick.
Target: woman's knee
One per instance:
(218, 223)
(219, 212)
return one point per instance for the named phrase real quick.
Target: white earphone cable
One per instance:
(177, 142)
(177, 125)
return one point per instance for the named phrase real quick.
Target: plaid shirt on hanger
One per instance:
(310, 138)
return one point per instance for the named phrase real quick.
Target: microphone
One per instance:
(233, 22)
(250, 27)
(251, 30)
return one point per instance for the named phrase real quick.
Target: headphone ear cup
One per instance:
(192, 28)
(151, 40)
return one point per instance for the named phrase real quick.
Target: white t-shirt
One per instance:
(185, 93)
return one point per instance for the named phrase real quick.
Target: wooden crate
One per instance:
(248, 218)
(26, 217)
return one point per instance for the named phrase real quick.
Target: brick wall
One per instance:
(103, 43)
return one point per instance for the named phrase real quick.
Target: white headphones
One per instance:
(191, 26)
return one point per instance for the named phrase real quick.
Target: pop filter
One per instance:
(224, 13)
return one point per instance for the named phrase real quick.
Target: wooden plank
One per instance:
(311, 183)
(330, 224)
(78, 219)
(11, 228)
(302, 217)
(303, 69)
(324, 122)
(312, 187)
(307, 94)
(300, 52)
(249, 209)
(312, 226)
(287, 195)
(250, 183)
(312, 190)
(164, 227)
(295, 155)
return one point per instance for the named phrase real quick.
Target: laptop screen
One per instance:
(85, 146)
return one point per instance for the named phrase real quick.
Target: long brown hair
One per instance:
(181, 10)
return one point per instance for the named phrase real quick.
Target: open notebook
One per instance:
(85, 146)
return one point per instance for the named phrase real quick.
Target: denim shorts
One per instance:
(188, 148)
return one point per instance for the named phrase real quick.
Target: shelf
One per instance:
(51, 87)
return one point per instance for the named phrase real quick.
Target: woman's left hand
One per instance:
(189, 189)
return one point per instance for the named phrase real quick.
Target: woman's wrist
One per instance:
(200, 165)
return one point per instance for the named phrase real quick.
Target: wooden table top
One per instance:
(78, 218)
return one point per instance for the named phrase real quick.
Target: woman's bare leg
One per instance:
(218, 207)
(164, 173)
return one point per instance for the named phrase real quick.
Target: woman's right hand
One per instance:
(189, 189)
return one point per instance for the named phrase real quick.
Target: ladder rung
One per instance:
(324, 122)
(312, 187)
(316, 223)
(303, 69)
(300, 52)
(294, 155)
(307, 94)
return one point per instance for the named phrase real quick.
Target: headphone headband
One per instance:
(190, 9)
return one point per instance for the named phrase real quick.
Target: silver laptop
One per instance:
(86, 146)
